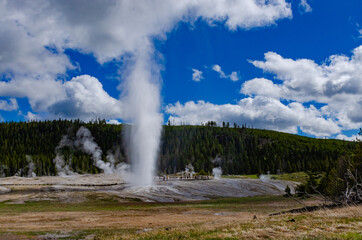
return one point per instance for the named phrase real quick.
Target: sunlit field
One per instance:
(102, 216)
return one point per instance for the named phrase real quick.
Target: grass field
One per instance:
(295, 177)
(104, 217)
(252, 176)
(300, 177)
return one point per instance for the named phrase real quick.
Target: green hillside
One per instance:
(238, 150)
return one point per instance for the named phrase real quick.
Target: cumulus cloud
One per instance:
(111, 28)
(196, 75)
(9, 105)
(21, 53)
(35, 34)
(86, 99)
(233, 76)
(260, 112)
(81, 97)
(337, 83)
(244, 14)
(304, 7)
(41, 92)
(263, 87)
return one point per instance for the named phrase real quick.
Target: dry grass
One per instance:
(345, 223)
(37, 213)
(215, 219)
(50, 221)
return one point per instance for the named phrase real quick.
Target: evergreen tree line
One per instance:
(238, 150)
(341, 183)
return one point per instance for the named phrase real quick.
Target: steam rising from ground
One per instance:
(61, 166)
(31, 166)
(264, 177)
(217, 172)
(85, 142)
(189, 169)
(28, 171)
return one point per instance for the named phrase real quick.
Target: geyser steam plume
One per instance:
(143, 110)
(217, 173)
(85, 142)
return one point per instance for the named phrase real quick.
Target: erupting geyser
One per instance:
(143, 110)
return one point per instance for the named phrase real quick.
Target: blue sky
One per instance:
(295, 64)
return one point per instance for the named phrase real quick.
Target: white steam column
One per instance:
(143, 109)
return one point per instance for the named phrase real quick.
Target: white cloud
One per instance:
(351, 138)
(9, 105)
(243, 14)
(41, 93)
(217, 69)
(35, 34)
(233, 76)
(299, 76)
(260, 112)
(32, 117)
(113, 122)
(337, 83)
(304, 7)
(196, 75)
(110, 28)
(82, 97)
(263, 87)
(86, 99)
(21, 53)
